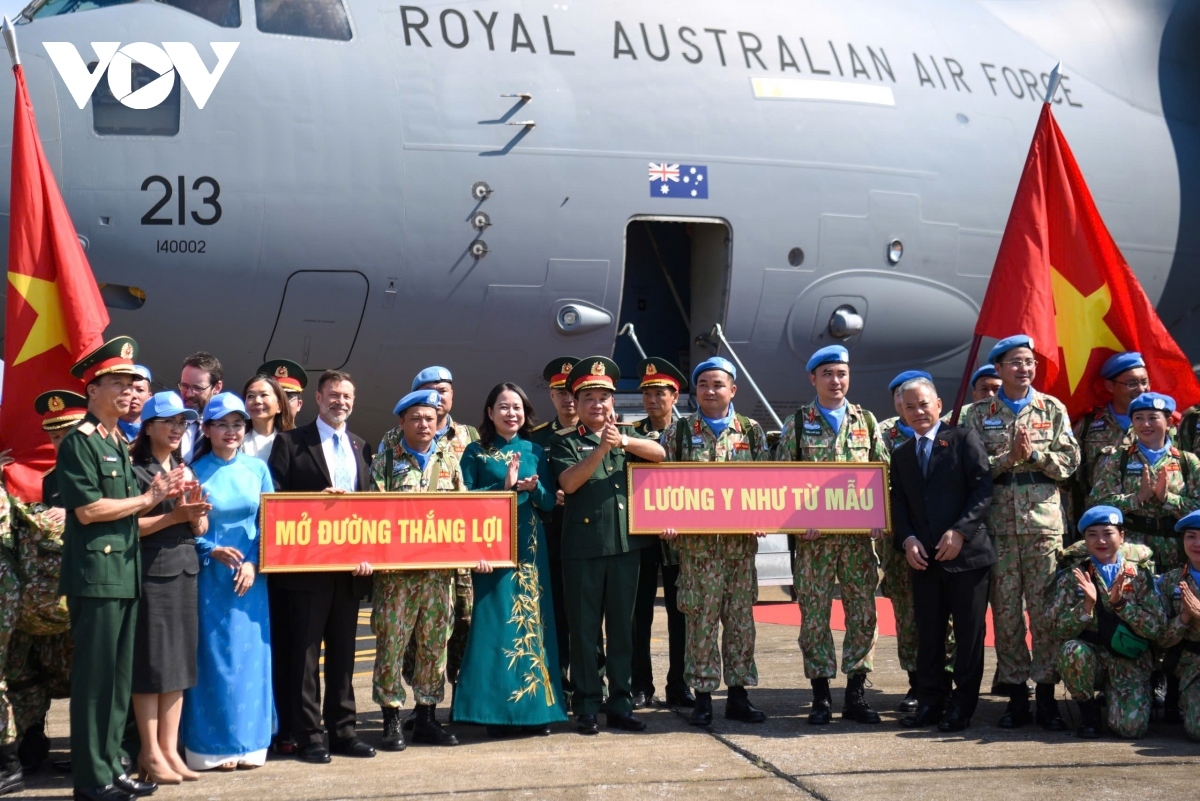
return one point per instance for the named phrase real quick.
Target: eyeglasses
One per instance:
(180, 424)
(1136, 384)
(235, 428)
(191, 389)
(1015, 363)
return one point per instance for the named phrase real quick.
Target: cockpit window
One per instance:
(321, 19)
(53, 8)
(110, 117)
(219, 12)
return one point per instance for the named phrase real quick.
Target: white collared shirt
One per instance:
(327, 433)
(191, 435)
(930, 435)
(258, 445)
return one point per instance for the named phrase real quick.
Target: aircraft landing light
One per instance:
(810, 89)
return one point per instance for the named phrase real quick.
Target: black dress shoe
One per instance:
(910, 702)
(106, 793)
(315, 753)
(352, 747)
(133, 786)
(626, 722)
(537, 731)
(683, 698)
(955, 720)
(587, 724)
(641, 700)
(926, 715)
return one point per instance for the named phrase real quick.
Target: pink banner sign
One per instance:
(743, 497)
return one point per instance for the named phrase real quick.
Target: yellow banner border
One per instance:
(330, 568)
(882, 466)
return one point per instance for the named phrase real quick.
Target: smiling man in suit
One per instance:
(322, 456)
(941, 490)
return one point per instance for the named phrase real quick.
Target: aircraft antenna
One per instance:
(10, 41)
(1055, 78)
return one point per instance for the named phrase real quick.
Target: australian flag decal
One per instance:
(679, 180)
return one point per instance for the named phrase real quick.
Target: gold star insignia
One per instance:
(49, 329)
(1079, 321)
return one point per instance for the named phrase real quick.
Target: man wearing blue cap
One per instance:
(1180, 593)
(716, 572)
(131, 422)
(1030, 449)
(414, 605)
(831, 429)
(458, 436)
(1106, 612)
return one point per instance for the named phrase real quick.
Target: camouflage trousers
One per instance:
(464, 604)
(718, 595)
(1025, 566)
(415, 605)
(849, 561)
(1086, 668)
(10, 607)
(38, 669)
(1189, 696)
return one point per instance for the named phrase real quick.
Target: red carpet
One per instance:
(788, 614)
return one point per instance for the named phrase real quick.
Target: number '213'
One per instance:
(209, 200)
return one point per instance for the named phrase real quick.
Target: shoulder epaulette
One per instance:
(87, 429)
(540, 426)
(628, 425)
(562, 432)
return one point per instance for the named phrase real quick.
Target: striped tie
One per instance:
(343, 473)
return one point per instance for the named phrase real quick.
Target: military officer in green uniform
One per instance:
(600, 559)
(562, 399)
(661, 382)
(291, 377)
(101, 569)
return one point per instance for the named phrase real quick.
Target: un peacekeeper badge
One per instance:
(697, 440)
(1099, 423)
(812, 427)
(401, 466)
(993, 423)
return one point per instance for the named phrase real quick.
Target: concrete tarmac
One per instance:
(784, 757)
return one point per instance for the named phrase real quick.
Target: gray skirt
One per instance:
(164, 646)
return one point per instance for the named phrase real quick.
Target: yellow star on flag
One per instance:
(1079, 321)
(49, 329)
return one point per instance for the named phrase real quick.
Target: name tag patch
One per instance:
(110, 458)
(741, 446)
(1043, 425)
(697, 440)
(858, 432)
(993, 422)
(1099, 424)
(813, 427)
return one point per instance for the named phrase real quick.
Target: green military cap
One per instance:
(558, 370)
(656, 372)
(114, 356)
(595, 372)
(290, 375)
(60, 408)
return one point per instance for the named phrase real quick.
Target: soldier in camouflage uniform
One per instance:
(12, 779)
(413, 604)
(718, 584)
(1030, 448)
(1112, 585)
(660, 384)
(457, 436)
(831, 429)
(1179, 590)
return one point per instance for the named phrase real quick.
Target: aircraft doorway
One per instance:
(676, 286)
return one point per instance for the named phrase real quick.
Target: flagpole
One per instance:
(966, 379)
(1055, 79)
(10, 41)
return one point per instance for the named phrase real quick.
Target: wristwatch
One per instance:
(624, 441)
(1034, 456)
(1085, 617)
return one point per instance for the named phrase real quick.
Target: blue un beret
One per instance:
(1101, 515)
(715, 363)
(830, 354)
(431, 375)
(1154, 401)
(1120, 362)
(423, 397)
(907, 375)
(1008, 343)
(987, 371)
(1191, 520)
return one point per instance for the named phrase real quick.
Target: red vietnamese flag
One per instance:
(54, 314)
(1060, 278)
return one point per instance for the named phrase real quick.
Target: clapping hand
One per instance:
(514, 468)
(193, 506)
(1189, 612)
(1146, 487)
(1088, 588)
(1115, 592)
(1022, 446)
(611, 435)
(1160, 486)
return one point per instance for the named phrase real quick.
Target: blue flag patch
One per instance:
(689, 181)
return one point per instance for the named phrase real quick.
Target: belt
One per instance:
(1152, 525)
(1022, 479)
(1190, 646)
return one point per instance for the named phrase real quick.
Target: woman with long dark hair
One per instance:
(509, 679)
(270, 413)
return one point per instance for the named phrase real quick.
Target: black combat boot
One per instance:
(1171, 713)
(702, 714)
(822, 704)
(12, 780)
(909, 704)
(1016, 714)
(393, 735)
(427, 730)
(1089, 720)
(738, 707)
(1047, 708)
(855, 706)
(34, 747)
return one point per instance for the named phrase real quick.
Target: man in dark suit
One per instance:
(941, 490)
(322, 456)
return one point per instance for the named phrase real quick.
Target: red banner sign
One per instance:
(743, 497)
(393, 531)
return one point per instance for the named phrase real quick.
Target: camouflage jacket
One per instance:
(39, 541)
(1119, 487)
(1142, 611)
(893, 436)
(394, 469)
(459, 436)
(670, 551)
(859, 440)
(1176, 631)
(691, 440)
(1026, 508)
(1102, 433)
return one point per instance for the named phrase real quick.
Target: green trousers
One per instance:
(102, 632)
(601, 590)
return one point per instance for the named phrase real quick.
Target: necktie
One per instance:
(923, 447)
(343, 476)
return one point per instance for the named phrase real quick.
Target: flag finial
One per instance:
(1051, 87)
(10, 41)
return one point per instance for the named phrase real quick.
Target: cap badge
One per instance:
(55, 404)
(566, 368)
(127, 351)
(281, 372)
(1159, 403)
(1112, 519)
(598, 368)
(651, 369)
